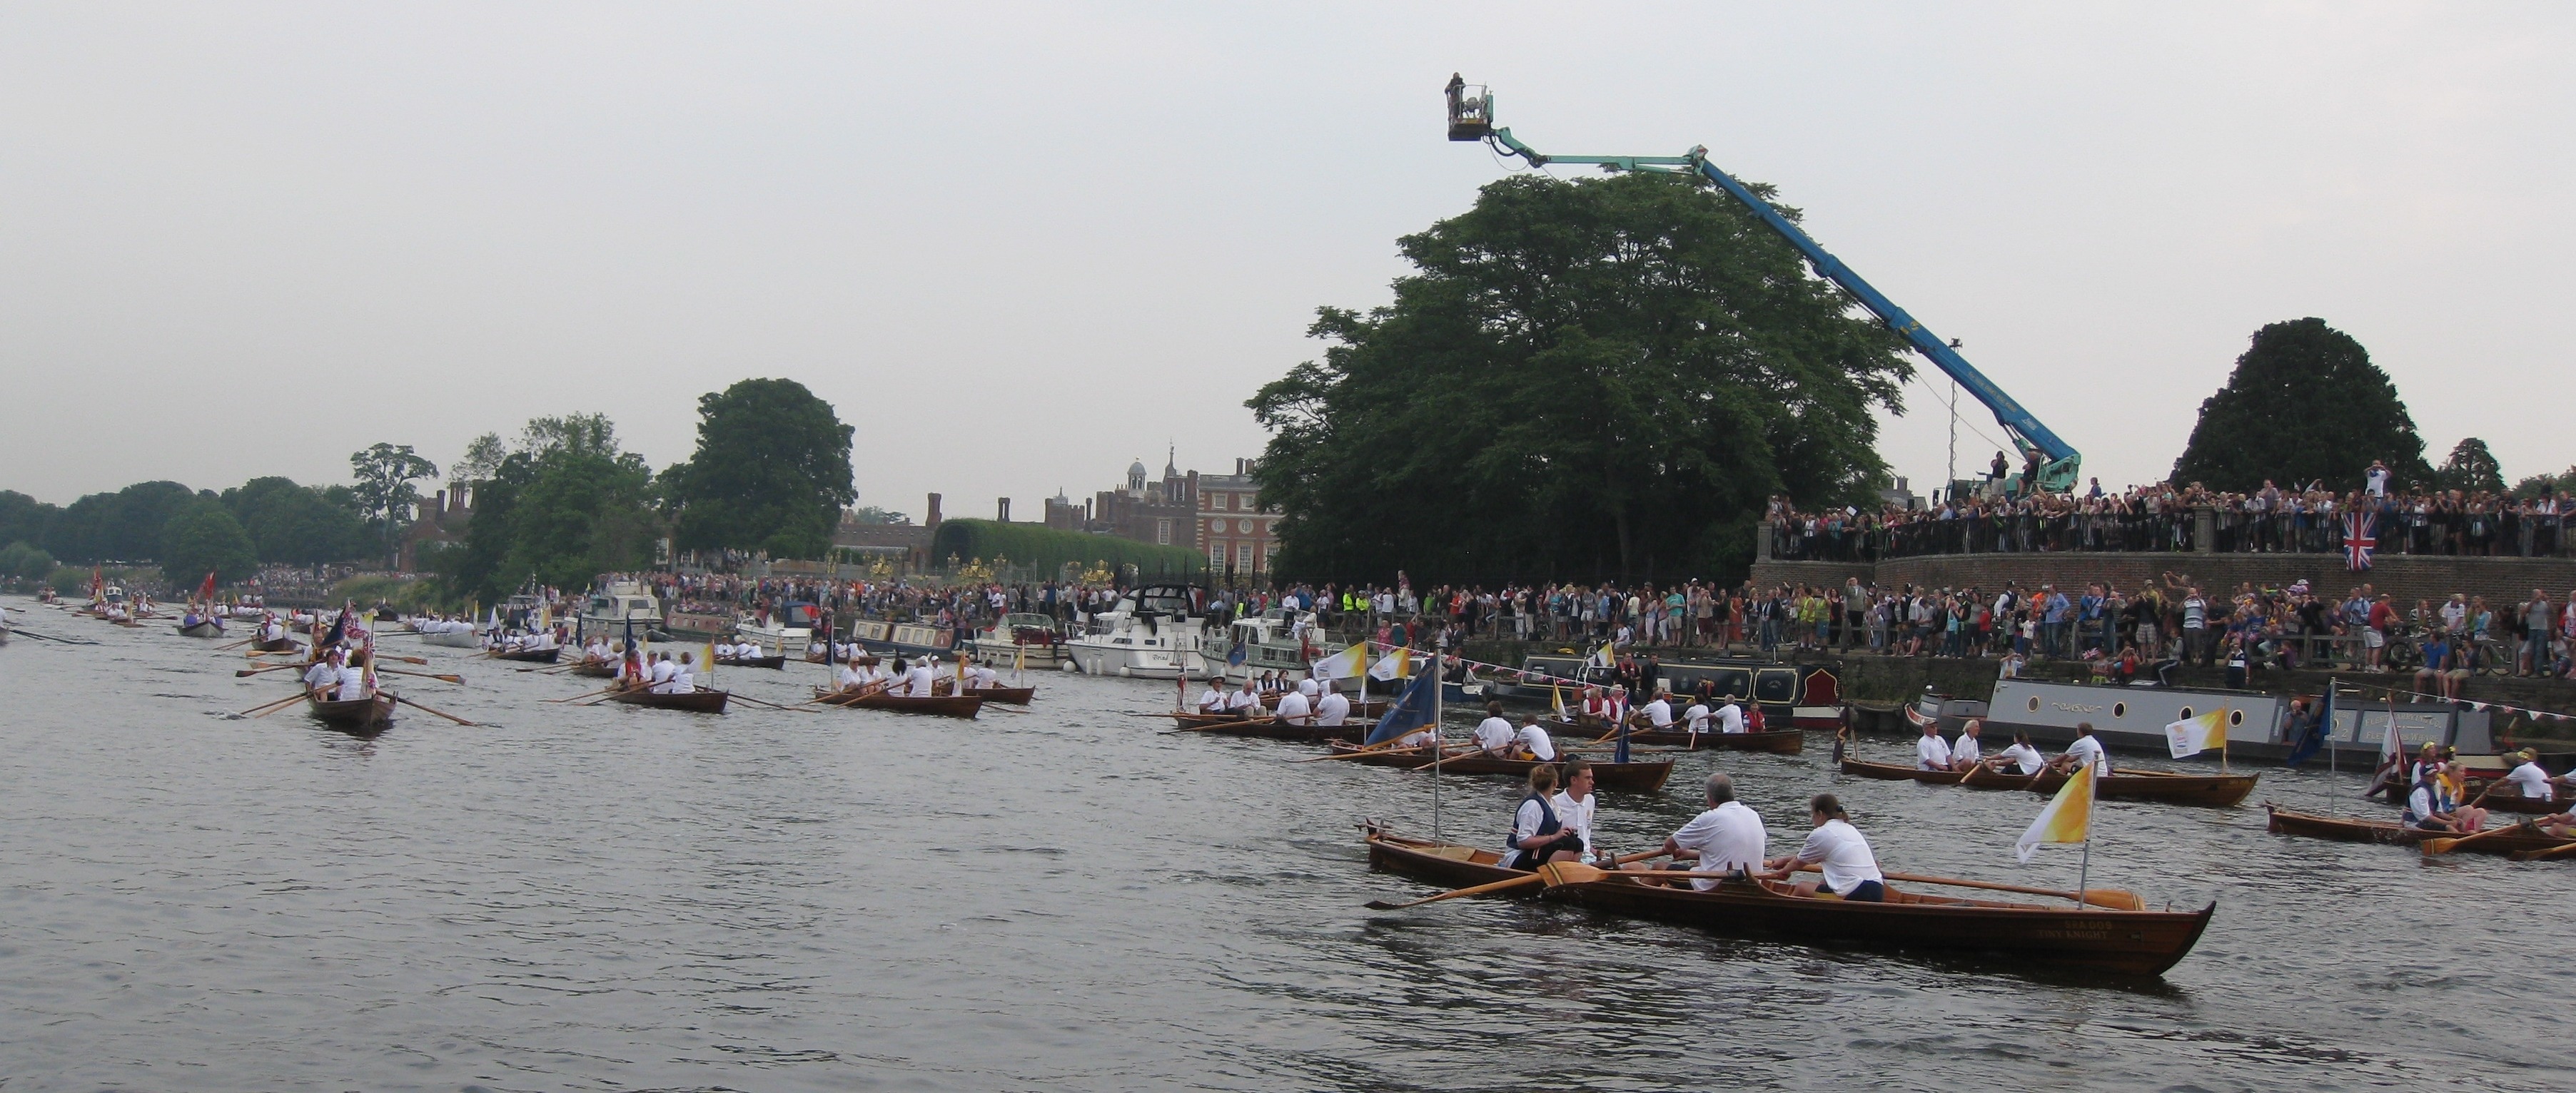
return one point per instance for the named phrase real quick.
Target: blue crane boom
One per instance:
(1471, 118)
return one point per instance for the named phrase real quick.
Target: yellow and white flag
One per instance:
(2193, 736)
(1347, 664)
(1556, 700)
(1607, 657)
(707, 666)
(2067, 819)
(1396, 664)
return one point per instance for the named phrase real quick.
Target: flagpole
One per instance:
(1439, 750)
(2084, 870)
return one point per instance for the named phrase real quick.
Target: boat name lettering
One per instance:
(2075, 707)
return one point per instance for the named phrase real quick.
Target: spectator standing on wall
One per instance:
(2375, 480)
(2537, 621)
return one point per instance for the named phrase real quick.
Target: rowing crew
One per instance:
(333, 678)
(536, 642)
(1726, 837)
(1963, 755)
(918, 680)
(661, 676)
(1308, 703)
(727, 652)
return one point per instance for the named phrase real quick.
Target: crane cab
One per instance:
(1471, 110)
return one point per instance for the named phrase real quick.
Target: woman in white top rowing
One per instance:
(1537, 834)
(1835, 846)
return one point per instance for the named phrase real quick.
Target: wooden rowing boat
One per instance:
(594, 669)
(1015, 696)
(1777, 742)
(2094, 939)
(371, 714)
(699, 701)
(531, 656)
(1640, 776)
(1267, 728)
(775, 661)
(940, 705)
(206, 629)
(2208, 790)
(2503, 799)
(281, 645)
(2391, 833)
(1371, 710)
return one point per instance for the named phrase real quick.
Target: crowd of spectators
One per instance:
(2162, 517)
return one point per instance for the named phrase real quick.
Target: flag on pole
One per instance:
(1347, 664)
(2192, 736)
(1606, 657)
(2067, 819)
(2360, 537)
(710, 668)
(1412, 710)
(1396, 664)
(206, 591)
(1556, 699)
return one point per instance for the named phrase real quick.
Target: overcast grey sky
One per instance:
(1018, 246)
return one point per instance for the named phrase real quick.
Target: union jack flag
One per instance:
(2360, 537)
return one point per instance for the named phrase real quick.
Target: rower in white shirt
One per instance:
(1573, 806)
(1333, 709)
(1850, 869)
(1697, 717)
(2021, 758)
(1212, 700)
(1730, 717)
(1310, 688)
(1931, 752)
(323, 675)
(1244, 701)
(982, 677)
(1294, 709)
(353, 682)
(1659, 713)
(2528, 778)
(855, 676)
(684, 679)
(924, 674)
(1494, 735)
(2085, 750)
(663, 670)
(1964, 752)
(1724, 838)
(1534, 740)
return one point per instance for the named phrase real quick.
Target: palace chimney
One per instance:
(933, 521)
(1002, 510)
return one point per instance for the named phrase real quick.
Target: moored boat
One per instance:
(355, 715)
(940, 705)
(2208, 790)
(2522, 837)
(698, 701)
(1638, 776)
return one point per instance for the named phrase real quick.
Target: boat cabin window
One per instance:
(1775, 685)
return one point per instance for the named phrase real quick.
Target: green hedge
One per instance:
(1049, 549)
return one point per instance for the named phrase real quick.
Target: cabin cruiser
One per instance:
(788, 626)
(609, 610)
(1020, 634)
(1152, 632)
(1271, 642)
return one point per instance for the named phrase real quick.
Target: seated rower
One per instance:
(2020, 758)
(1726, 837)
(1964, 752)
(1294, 709)
(924, 675)
(2084, 751)
(1730, 717)
(2425, 809)
(1573, 806)
(2455, 783)
(1698, 718)
(1534, 740)
(2528, 779)
(1333, 710)
(855, 677)
(1597, 706)
(1537, 834)
(1245, 702)
(323, 676)
(982, 677)
(1931, 752)
(1659, 713)
(663, 671)
(1494, 735)
(684, 676)
(1850, 870)
(1212, 700)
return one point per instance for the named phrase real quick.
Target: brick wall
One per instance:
(2407, 578)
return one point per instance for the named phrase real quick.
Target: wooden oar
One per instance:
(234, 644)
(441, 713)
(838, 698)
(238, 673)
(2112, 898)
(2544, 855)
(442, 677)
(267, 706)
(1541, 876)
(1355, 753)
(579, 697)
(273, 708)
(767, 705)
(2444, 846)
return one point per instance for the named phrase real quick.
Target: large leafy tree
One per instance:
(2304, 404)
(1597, 378)
(563, 508)
(299, 525)
(2471, 467)
(121, 526)
(384, 475)
(204, 538)
(771, 472)
(24, 519)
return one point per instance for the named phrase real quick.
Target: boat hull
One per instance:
(453, 639)
(541, 656)
(1777, 741)
(2204, 790)
(203, 630)
(356, 715)
(1643, 776)
(1266, 728)
(2391, 833)
(690, 701)
(938, 705)
(775, 661)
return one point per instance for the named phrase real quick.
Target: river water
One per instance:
(617, 899)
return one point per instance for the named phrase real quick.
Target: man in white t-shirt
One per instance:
(1333, 709)
(1212, 700)
(2375, 480)
(663, 670)
(2527, 778)
(1245, 701)
(1494, 735)
(1573, 805)
(1659, 713)
(1534, 740)
(2085, 750)
(1293, 708)
(918, 681)
(1730, 717)
(1835, 846)
(1931, 752)
(1964, 752)
(1724, 838)
(1697, 717)
(1308, 687)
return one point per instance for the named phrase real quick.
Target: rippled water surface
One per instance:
(607, 898)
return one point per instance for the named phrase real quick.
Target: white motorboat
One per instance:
(608, 612)
(1152, 632)
(1270, 642)
(1020, 634)
(788, 627)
